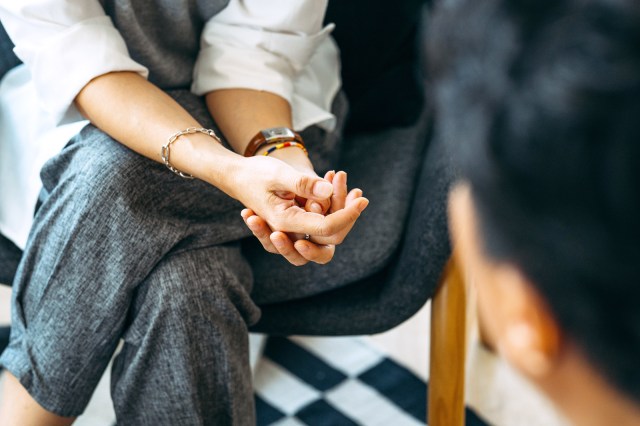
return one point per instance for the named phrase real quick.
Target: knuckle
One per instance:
(277, 224)
(303, 185)
(288, 254)
(322, 230)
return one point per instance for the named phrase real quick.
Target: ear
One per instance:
(517, 320)
(529, 336)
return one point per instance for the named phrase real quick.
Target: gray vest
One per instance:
(164, 35)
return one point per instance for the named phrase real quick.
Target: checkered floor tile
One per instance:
(337, 381)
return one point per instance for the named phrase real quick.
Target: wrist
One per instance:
(224, 170)
(293, 156)
(269, 137)
(205, 158)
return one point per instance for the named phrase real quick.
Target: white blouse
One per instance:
(277, 46)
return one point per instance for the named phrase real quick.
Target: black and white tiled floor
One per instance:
(337, 381)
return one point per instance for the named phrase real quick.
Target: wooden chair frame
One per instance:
(448, 349)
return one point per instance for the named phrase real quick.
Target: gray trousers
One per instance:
(121, 248)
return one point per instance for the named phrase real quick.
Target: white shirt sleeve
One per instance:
(269, 46)
(65, 44)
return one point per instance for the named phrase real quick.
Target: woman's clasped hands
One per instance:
(300, 203)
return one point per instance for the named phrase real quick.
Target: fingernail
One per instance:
(322, 189)
(303, 248)
(363, 205)
(315, 208)
(278, 243)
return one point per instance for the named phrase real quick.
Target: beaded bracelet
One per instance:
(286, 145)
(268, 136)
(166, 149)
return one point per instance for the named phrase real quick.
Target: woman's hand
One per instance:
(269, 188)
(318, 249)
(275, 186)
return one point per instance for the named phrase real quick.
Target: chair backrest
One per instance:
(381, 67)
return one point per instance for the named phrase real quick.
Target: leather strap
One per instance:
(269, 136)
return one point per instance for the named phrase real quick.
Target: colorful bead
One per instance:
(286, 145)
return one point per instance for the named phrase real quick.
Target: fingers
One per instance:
(286, 248)
(320, 207)
(302, 252)
(342, 220)
(339, 195)
(353, 194)
(321, 254)
(260, 229)
(288, 216)
(339, 237)
(280, 243)
(306, 185)
(330, 175)
(295, 219)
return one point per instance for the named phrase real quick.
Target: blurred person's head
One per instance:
(540, 100)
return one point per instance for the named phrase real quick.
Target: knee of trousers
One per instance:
(102, 171)
(99, 175)
(196, 294)
(97, 182)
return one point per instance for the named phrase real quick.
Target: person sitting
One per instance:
(540, 103)
(118, 105)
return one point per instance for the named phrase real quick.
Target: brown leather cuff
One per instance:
(269, 136)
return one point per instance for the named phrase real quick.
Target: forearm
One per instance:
(241, 113)
(142, 117)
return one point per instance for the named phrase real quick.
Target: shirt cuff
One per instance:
(71, 59)
(232, 56)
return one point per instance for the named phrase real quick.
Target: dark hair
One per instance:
(540, 103)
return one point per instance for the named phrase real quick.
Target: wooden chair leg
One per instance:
(448, 350)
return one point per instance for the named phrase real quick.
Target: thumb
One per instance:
(310, 187)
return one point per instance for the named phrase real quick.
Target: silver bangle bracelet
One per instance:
(166, 149)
